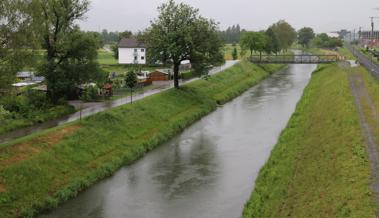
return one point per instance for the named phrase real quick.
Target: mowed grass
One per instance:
(106, 58)
(319, 168)
(41, 171)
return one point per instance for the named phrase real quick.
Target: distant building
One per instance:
(131, 51)
(333, 35)
(369, 38)
(369, 35)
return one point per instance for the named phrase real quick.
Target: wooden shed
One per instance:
(159, 75)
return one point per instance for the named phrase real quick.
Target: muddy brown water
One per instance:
(207, 171)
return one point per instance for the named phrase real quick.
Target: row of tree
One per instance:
(281, 35)
(278, 37)
(232, 35)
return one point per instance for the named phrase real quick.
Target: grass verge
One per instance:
(58, 169)
(319, 168)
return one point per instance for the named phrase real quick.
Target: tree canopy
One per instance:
(273, 44)
(180, 33)
(71, 55)
(324, 41)
(16, 37)
(253, 41)
(232, 34)
(286, 34)
(305, 36)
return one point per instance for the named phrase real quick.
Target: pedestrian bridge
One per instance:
(294, 59)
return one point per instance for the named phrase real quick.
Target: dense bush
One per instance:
(324, 41)
(90, 94)
(187, 75)
(29, 108)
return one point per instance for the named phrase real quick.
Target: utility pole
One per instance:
(359, 35)
(372, 27)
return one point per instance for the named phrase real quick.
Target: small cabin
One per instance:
(160, 75)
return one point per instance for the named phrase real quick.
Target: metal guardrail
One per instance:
(293, 59)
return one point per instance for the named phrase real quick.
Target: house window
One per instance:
(135, 50)
(142, 50)
(135, 58)
(142, 57)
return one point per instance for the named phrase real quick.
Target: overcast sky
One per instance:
(322, 15)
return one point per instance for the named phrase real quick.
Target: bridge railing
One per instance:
(293, 59)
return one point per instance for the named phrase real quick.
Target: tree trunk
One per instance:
(176, 75)
(131, 96)
(260, 56)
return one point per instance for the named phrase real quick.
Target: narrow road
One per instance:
(365, 103)
(98, 107)
(365, 61)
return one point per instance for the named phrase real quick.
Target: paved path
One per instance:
(94, 108)
(365, 103)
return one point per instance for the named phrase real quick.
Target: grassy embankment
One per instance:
(319, 168)
(42, 170)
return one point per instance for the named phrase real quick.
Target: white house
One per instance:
(131, 51)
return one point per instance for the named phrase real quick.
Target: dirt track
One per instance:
(364, 104)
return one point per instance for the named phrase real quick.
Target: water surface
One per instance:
(208, 171)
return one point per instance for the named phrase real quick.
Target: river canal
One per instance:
(207, 171)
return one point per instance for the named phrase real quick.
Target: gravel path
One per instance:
(362, 97)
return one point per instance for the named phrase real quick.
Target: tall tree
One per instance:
(180, 33)
(253, 41)
(70, 54)
(305, 36)
(16, 39)
(273, 44)
(286, 34)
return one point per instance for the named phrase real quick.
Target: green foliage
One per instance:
(273, 44)
(286, 34)
(324, 41)
(319, 168)
(30, 108)
(305, 36)
(98, 39)
(180, 33)
(131, 80)
(235, 53)
(111, 139)
(253, 41)
(90, 94)
(114, 48)
(70, 54)
(77, 67)
(188, 75)
(110, 37)
(15, 35)
(232, 35)
(125, 34)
